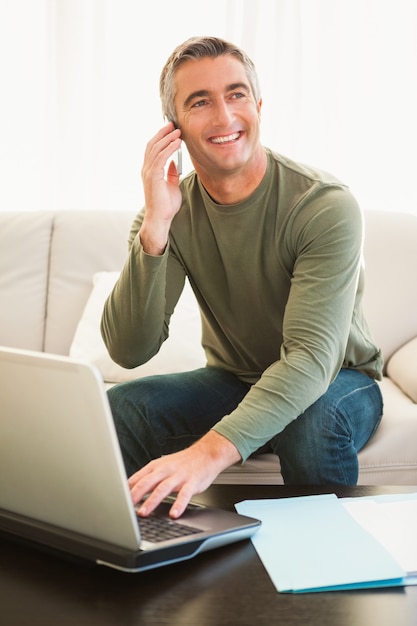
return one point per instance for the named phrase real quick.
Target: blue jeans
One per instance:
(162, 414)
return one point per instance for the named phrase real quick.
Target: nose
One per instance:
(222, 113)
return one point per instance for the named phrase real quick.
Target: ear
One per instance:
(259, 107)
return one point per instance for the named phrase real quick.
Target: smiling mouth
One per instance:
(226, 138)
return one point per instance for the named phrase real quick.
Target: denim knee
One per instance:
(321, 445)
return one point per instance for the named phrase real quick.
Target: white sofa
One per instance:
(48, 261)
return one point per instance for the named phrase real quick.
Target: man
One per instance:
(272, 250)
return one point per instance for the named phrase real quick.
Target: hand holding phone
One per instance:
(162, 193)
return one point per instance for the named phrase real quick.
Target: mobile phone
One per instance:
(179, 153)
(179, 161)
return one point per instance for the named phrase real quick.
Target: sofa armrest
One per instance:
(402, 368)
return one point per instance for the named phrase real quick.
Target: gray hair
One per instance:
(199, 48)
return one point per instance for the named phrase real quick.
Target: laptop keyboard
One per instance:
(155, 529)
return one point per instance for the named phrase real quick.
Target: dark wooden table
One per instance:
(226, 587)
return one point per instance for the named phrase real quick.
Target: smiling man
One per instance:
(272, 250)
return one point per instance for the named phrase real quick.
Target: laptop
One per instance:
(63, 483)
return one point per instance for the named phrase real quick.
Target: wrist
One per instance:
(218, 449)
(154, 237)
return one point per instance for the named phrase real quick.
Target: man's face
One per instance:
(217, 114)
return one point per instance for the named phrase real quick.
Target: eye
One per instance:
(198, 104)
(238, 94)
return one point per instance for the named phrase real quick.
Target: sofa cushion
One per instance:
(178, 352)
(24, 268)
(83, 243)
(402, 368)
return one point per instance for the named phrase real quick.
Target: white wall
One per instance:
(80, 99)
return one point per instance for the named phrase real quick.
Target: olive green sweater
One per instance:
(279, 282)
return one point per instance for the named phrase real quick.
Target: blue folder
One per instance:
(312, 543)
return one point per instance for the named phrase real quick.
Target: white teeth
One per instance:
(224, 139)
